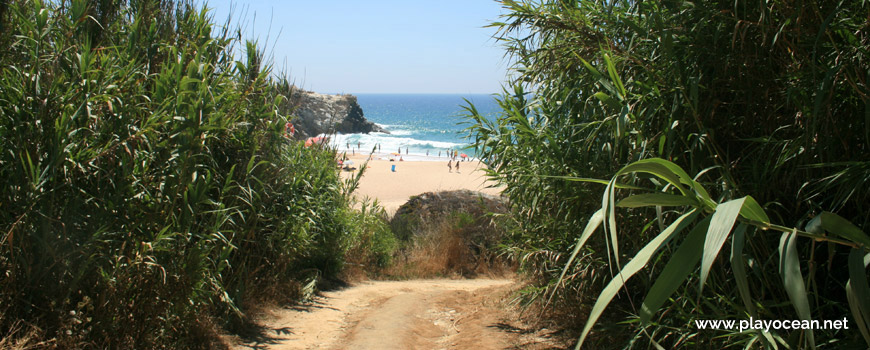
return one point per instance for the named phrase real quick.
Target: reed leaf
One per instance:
(792, 279)
(681, 264)
(720, 227)
(837, 225)
(738, 265)
(656, 199)
(640, 260)
(593, 224)
(858, 291)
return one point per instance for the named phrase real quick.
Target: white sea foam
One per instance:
(401, 132)
(389, 143)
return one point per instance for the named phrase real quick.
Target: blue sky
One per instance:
(390, 46)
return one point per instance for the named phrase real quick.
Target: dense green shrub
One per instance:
(760, 98)
(147, 190)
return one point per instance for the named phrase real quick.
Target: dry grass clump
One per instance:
(22, 336)
(451, 247)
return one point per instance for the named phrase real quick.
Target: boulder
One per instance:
(432, 207)
(451, 232)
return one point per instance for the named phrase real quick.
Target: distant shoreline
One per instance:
(409, 157)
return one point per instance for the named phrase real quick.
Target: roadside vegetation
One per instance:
(674, 161)
(450, 234)
(150, 196)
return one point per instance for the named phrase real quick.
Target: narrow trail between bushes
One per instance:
(415, 314)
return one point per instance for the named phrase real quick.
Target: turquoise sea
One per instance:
(420, 123)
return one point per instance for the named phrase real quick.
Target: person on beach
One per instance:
(449, 166)
(457, 168)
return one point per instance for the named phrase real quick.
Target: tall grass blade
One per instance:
(752, 211)
(640, 260)
(793, 282)
(720, 227)
(858, 291)
(609, 206)
(738, 265)
(679, 267)
(656, 199)
(837, 225)
(658, 168)
(594, 222)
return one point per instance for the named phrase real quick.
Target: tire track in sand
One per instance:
(416, 314)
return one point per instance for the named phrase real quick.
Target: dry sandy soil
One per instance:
(416, 314)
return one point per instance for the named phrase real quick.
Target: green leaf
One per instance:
(609, 208)
(837, 225)
(614, 76)
(672, 173)
(640, 260)
(858, 291)
(678, 268)
(591, 69)
(738, 265)
(752, 211)
(655, 167)
(609, 101)
(792, 280)
(656, 199)
(720, 227)
(597, 181)
(599, 76)
(594, 221)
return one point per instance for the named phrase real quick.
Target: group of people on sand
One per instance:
(450, 166)
(452, 154)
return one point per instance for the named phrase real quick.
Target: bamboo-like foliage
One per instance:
(760, 98)
(147, 186)
(704, 243)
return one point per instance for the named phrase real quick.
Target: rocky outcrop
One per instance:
(325, 114)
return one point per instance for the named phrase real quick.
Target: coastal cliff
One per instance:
(323, 114)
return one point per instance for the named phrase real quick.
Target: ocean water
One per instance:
(418, 123)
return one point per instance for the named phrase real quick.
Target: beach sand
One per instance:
(411, 178)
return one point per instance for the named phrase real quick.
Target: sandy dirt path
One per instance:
(416, 314)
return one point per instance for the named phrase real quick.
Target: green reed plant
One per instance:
(149, 196)
(710, 225)
(736, 92)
